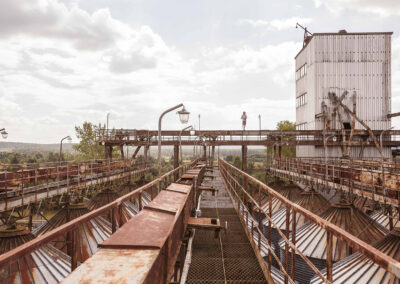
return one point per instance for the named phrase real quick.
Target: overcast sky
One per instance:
(64, 62)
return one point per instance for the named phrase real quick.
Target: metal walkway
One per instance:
(228, 258)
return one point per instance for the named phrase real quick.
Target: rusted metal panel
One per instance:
(115, 266)
(139, 232)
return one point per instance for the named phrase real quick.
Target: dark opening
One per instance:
(347, 125)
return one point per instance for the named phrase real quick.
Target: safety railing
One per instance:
(375, 180)
(113, 209)
(249, 192)
(18, 181)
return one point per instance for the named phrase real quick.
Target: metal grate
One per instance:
(228, 259)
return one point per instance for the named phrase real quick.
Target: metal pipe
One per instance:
(159, 134)
(190, 127)
(66, 137)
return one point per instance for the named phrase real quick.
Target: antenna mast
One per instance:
(306, 33)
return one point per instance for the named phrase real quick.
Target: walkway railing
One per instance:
(378, 181)
(114, 208)
(23, 184)
(248, 193)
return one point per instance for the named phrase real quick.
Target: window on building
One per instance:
(301, 100)
(301, 72)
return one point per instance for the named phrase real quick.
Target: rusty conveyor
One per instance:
(228, 258)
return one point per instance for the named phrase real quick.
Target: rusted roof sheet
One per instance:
(149, 229)
(290, 192)
(358, 269)
(179, 188)
(44, 265)
(311, 238)
(309, 200)
(89, 235)
(383, 219)
(115, 266)
(168, 201)
(102, 198)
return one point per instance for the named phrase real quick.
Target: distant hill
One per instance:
(34, 147)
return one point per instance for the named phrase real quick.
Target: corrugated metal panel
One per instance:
(383, 219)
(356, 62)
(45, 265)
(358, 269)
(309, 200)
(311, 238)
(89, 235)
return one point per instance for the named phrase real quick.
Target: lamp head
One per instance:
(183, 115)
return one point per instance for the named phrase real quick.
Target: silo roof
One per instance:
(311, 238)
(310, 200)
(290, 192)
(44, 265)
(383, 219)
(89, 234)
(356, 268)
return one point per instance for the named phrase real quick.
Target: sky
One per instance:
(63, 62)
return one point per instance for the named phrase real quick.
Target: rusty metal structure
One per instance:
(71, 228)
(43, 265)
(26, 184)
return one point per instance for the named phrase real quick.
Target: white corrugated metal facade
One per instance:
(358, 63)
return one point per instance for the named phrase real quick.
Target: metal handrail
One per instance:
(383, 260)
(34, 244)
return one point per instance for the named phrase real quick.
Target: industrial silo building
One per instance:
(354, 68)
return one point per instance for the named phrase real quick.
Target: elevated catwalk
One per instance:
(230, 257)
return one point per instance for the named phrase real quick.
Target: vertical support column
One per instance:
(176, 160)
(212, 155)
(145, 154)
(244, 166)
(280, 152)
(121, 149)
(244, 158)
(205, 153)
(108, 152)
(31, 213)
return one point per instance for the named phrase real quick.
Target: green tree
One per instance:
(88, 146)
(237, 162)
(287, 151)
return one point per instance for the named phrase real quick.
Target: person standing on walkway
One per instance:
(244, 118)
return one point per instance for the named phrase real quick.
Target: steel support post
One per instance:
(204, 152)
(176, 160)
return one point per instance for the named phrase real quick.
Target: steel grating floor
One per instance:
(230, 258)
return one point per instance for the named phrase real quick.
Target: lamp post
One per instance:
(199, 121)
(190, 127)
(183, 116)
(259, 124)
(4, 133)
(69, 140)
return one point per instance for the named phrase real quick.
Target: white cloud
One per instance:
(383, 8)
(61, 66)
(276, 24)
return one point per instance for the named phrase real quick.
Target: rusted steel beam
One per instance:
(390, 115)
(136, 151)
(367, 250)
(215, 133)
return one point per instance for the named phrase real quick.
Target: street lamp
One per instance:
(199, 121)
(4, 133)
(183, 116)
(190, 127)
(69, 139)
